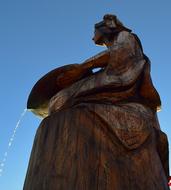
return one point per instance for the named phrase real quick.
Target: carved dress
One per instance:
(102, 132)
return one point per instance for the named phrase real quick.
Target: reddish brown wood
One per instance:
(101, 132)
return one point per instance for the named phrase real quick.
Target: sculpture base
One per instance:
(76, 149)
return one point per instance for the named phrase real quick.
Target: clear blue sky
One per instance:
(37, 36)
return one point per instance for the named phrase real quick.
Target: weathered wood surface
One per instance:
(51, 83)
(78, 149)
(102, 131)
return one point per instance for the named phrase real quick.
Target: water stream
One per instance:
(10, 142)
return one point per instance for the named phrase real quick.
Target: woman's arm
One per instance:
(80, 71)
(99, 60)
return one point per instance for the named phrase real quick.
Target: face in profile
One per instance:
(98, 38)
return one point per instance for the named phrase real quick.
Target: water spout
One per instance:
(2, 163)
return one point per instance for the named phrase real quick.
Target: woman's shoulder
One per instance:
(124, 37)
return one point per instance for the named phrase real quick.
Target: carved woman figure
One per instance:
(101, 131)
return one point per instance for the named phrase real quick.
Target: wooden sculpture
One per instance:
(100, 130)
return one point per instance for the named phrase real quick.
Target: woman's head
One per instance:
(106, 30)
